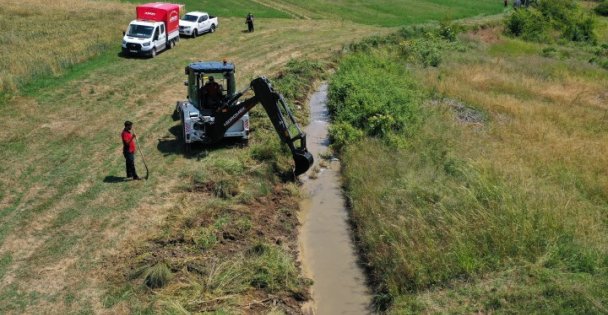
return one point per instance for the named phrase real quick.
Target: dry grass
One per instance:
(548, 114)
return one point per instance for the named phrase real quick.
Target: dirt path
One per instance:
(327, 251)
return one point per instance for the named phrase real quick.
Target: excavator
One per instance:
(210, 118)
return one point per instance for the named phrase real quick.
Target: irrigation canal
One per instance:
(327, 252)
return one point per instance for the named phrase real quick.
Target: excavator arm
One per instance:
(281, 117)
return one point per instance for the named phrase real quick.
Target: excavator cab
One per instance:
(202, 76)
(209, 121)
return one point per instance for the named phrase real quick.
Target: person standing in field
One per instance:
(128, 149)
(249, 21)
(506, 3)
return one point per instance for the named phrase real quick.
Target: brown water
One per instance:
(327, 251)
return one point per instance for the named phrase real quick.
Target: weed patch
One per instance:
(370, 95)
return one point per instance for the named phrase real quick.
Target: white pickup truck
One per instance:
(195, 23)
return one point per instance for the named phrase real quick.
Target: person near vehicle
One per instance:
(212, 92)
(128, 149)
(249, 22)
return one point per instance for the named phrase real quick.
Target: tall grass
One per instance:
(459, 210)
(41, 40)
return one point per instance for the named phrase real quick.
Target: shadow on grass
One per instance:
(175, 145)
(114, 179)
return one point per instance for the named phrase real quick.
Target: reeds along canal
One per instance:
(327, 252)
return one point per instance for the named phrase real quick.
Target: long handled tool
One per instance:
(144, 160)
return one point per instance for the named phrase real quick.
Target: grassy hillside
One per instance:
(485, 190)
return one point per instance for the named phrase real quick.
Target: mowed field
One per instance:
(66, 218)
(379, 12)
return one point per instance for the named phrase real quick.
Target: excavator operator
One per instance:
(212, 94)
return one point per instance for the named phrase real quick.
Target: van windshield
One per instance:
(141, 31)
(190, 18)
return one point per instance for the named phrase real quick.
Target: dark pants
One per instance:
(250, 26)
(130, 159)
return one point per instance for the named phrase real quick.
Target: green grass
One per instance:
(71, 73)
(512, 48)
(397, 13)
(383, 13)
(227, 8)
(5, 261)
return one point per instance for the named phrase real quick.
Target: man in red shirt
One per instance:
(128, 149)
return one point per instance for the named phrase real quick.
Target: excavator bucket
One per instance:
(304, 161)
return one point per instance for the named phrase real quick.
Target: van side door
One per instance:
(162, 36)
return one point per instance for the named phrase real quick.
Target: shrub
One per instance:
(602, 8)
(448, 31)
(427, 50)
(580, 30)
(424, 51)
(551, 20)
(527, 24)
(601, 56)
(370, 95)
(342, 134)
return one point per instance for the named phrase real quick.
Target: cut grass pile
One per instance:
(505, 213)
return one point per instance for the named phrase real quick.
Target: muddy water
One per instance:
(327, 252)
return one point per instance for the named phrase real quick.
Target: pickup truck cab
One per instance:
(196, 23)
